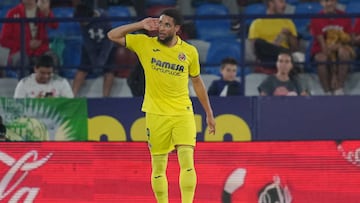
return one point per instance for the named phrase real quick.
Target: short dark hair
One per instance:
(45, 61)
(82, 11)
(228, 60)
(175, 14)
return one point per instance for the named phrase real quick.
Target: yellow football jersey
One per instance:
(167, 71)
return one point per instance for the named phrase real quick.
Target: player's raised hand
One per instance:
(150, 24)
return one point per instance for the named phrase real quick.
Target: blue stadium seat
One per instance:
(353, 7)
(155, 11)
(252, 9)
(208, 29)
(71, 57)
(2, 15)
(293, 2)
(63, 11)
(65, 29)
(344, 1)
(220, 49)
(119, 11)
(302, 24)
(8, 3)
(3, 12)
(160, 2)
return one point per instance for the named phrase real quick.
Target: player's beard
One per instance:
(166, 40)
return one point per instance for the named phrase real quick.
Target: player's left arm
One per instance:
(203, 97)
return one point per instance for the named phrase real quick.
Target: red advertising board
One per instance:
(236, 172)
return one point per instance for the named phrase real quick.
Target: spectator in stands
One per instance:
(43, 82)
(36, 39)
(271, 36)
(97, 51)
(228, 85)
(284, 82)
(331, 44)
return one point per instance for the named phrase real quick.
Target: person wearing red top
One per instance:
(36, 39)
(332, 77)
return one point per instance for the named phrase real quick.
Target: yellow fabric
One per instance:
(159, 181)
(165, 132)
(187, 179)
(268, 29)
(167, 71)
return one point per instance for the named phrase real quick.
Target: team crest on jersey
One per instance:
(182, 57)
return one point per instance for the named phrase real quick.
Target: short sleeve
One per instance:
(194, 68)
(135, 42)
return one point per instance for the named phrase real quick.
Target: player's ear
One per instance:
(177, 28)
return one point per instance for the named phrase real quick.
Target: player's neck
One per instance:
(173, 41)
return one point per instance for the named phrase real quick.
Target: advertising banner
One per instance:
(308, 118)
(233, 172)
(122, 119)
(55, 119)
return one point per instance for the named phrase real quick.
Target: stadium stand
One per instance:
(252, 81)
(150, 3)
(207, 78)
(220, 49)
(93, 88)
(119, 11)
(7, 86)
(208, 29)
(251, 9)
(302, 24)
(352, 7)
(210, 41)
(202, 47)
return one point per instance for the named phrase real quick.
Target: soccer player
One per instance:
(168, 62)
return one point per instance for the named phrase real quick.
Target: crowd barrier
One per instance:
(237, 118)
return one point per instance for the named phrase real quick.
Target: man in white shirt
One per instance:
(43, 82)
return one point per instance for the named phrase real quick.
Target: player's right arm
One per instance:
(118, 34)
